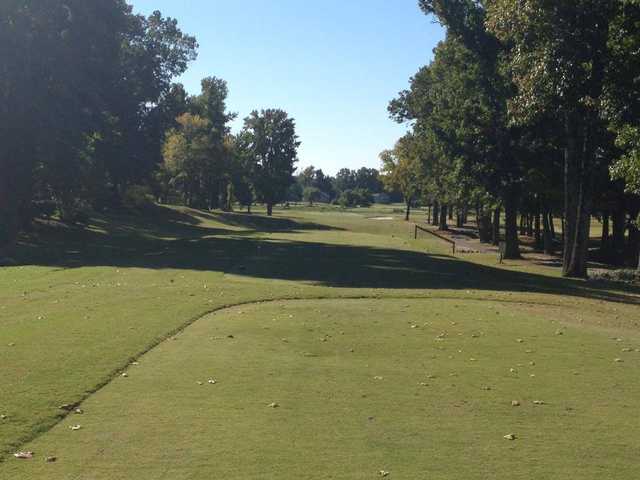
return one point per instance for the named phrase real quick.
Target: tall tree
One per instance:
(57, 60)
(560, 62)
(461, 99)
(274, 146)
(402, 170)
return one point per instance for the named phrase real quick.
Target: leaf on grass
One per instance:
(51, 459)
(515, 403)
(510, 436)
(75, 427)
(273, 405)
(538, 402)
(23, 455)
(383, 473)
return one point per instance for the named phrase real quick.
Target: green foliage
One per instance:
(272, 144)
(311, 194)
(358, 197)
(403, 168)
(138, 198)
(627, 168)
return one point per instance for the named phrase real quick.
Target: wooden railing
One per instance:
(441, 237)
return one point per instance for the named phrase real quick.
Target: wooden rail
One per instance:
(441, 237)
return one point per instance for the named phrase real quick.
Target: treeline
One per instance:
(529, 108)
(207, 167)
(348, 188)
(91, 118)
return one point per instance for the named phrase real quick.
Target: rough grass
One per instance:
(86, 303)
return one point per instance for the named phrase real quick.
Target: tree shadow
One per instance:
(175, 242)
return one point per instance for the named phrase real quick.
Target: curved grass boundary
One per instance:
(116, 372)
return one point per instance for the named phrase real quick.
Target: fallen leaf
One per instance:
(273, 405)
(51, 459)
(23, 455)
(383, 473)
(538, 402)
(75, 427)
(515, 403)
(510, 436)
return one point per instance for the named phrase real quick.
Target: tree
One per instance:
(368, 179)
(273, 144)
(345, 180)
(311, 194)
(243, 170)
(57, 60)
(460, 101)
(153, 51)
(402, 170)
(560, 64)
(187, 157)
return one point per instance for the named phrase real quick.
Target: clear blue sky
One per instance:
(332, 64)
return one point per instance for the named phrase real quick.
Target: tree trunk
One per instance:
(436, 214)
(485, 226)
(407, 212)
(496, 226)
(536, 229)
(459, 220)
(576, 198)
(429, 214)
(512, 247)
(530, 225)
(604, 238)
(443, 217)
(552, 226)
(634, 240)
(450, 210)
(547, 232)
(269, 209)
(249, 208)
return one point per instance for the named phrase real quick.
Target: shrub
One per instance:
(358, 197)
(138, 197)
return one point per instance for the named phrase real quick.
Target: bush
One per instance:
(358, 197)
(138, 197)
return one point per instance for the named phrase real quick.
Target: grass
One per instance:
(86, 303)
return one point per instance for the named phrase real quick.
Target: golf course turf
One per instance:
(315, 344)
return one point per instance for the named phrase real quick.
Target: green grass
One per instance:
(88, 302)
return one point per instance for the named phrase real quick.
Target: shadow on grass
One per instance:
(171, 239)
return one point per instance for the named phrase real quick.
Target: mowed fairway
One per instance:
(351, 350)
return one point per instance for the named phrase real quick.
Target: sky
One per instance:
(333, 65)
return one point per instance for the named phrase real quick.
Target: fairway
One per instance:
(346, 389)
(382, 353)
